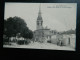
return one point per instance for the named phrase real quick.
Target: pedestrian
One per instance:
(69, 40)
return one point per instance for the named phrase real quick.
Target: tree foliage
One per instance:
(69, 32)
(15, 25)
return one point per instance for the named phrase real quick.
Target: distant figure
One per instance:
(69, 40)
(59, 42)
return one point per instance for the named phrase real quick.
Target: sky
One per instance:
(56, 16)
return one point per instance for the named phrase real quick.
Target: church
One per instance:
(41, 34)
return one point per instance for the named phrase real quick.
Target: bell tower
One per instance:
(39, 19)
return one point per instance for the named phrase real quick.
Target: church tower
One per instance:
(39, 19)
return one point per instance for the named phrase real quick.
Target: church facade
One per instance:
(41, 34)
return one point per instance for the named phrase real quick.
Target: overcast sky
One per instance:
(56, 16)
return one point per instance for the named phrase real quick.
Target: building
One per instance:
(41, 34)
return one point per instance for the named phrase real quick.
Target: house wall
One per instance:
(54, 39)
(65, 39)
(42, 35)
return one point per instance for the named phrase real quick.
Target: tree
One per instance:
(4, 32)
(5, 28)
(19, 24)
(69, 32)
(30, 34)
(16, 25)
(13, 26)
(8, 28)
(27, 33)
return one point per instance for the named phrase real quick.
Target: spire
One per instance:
(39, 19)
(40, 8)
(39, 14)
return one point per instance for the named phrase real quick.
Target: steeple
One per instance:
(39, 14)
(39, 19)
(40, 8)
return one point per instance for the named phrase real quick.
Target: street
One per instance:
(37, 45)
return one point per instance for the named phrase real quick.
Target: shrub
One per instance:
(49, 41)
(20, 42)
(27, 41)
(5, 41)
